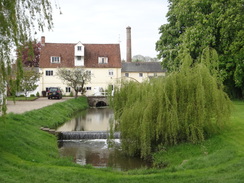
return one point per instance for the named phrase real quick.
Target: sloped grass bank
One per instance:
(28, 154)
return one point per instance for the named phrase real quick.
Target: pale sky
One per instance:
(105, 21)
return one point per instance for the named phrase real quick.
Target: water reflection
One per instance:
(93, 119)
(97, 153)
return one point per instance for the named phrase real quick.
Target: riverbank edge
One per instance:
(28, 154)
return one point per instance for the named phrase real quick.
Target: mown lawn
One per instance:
(21, 98)
(28, 154)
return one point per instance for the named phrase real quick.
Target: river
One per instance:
(96, 152)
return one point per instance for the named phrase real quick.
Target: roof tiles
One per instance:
(92, 52)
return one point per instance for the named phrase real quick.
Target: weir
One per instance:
(76, 135)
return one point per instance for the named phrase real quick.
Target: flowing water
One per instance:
(93, 123)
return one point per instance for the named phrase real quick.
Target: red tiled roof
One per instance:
(92, 52)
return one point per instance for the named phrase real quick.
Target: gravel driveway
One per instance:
(23, 106)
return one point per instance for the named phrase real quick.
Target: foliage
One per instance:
(29, 79)
(29, 54)
(4, 80)
(185, 106)
(75, 78)
(195, 25)
(19, 19)
(141, 58)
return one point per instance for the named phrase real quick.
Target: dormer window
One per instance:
(79, 54)
(102, 60)
(55, 60)
(79, 48)
(79, 58)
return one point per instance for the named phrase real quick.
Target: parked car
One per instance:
(54, 92)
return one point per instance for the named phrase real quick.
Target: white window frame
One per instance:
(126, 74)
(110, 72)
(140, 74)
(88, 88)
(49, 73)
(67, 89)
(79, 48)
(102, 60)
(55, 60)
(78, 58)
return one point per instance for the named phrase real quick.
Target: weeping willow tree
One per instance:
(185, 106)
(19, 19)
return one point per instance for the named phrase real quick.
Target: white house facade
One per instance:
(102, 61)
(141, 71)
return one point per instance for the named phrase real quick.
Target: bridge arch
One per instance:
(97, 101)
(101, 104)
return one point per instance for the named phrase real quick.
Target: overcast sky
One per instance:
(105, 21)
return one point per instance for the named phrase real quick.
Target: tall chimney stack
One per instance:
(128, 47)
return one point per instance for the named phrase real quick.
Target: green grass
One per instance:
(21, 98)
(28, 154)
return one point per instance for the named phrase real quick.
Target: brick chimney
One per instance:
(128, 46)
(43, 40)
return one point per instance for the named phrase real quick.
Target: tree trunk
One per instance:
(76, 93)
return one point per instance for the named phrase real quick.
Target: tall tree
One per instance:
(195, 25)
(75, 78)
(186, 106)
(18, 20)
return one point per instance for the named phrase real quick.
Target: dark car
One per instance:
(54, 92)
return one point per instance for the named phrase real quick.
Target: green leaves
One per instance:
(19, 19)
(29, 80)
(183, 106)
(195, 25)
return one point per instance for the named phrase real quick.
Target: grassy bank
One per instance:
(28, 154)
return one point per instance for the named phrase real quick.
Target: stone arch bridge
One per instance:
(97, 101)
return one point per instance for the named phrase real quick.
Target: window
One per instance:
(79, 48)
(110, 72)
(55, 59)
(140, 74)
(102, 60)
(49, 73)
(88, 72)
(126, 74)
(78, 58)
(155, 74)
(67, 89)
(88, 88)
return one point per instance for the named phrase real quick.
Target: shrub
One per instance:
(71, 94)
